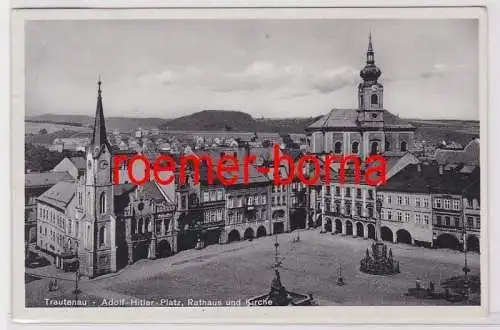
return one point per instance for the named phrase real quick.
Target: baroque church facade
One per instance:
(351, 208)
(366, 130)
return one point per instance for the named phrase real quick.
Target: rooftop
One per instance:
(59, 195)
(347, 118)
(43, 179)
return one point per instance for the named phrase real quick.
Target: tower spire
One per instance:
(99, 137)
(370, 59)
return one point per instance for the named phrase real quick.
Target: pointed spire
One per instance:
(99, 137)
(370, 53)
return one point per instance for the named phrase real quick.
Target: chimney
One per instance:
(440, 169)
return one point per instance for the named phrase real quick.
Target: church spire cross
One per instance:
(99, 137)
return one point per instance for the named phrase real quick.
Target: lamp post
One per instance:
(378, 219)
(76, 291)
(466, 268)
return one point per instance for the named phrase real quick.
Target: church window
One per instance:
(133, 226)
(76, 229)
(374, 149)
(355, 147)
(374, 99)
(404, 146)
(338, 147)
(387, 144)
(103, 203)
(141, 223)
(148, 225)
(102, 235)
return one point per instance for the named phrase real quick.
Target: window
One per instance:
(400, 200)
(370, 211)
(447, 221)
(389, 199)
(437, 203)
(426, 203)
(447, 204)
(327, 190)
(220, 195)
(359, 209)
(355, 147)
(263, 199)
(337, 191)
(469, 203)
(400, 217)
(407, 200)
(417, 202)
(338, 147)
(358, 193)
(250, 200)
(417, 218)
(438, 220)
(470, 222)
(374, 148)
(213, 196)
(457, 222)
(80, 199)
(102, 203)
(348, 209)
(40, 229)
(456, 204)
(102, 235)
(347, 192)
(374, 99)
(206, 196)
(370, 194)
(141, 224)
(389, 215)
(407, 217)
(404, 146)
(426, 219)
(478, 223)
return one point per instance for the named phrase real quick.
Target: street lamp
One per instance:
(76, 291)
(466, 268)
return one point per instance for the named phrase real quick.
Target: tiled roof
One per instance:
(254, 176)
(40, 179)
(347, 118)
(469, 155)
(79, 162)
(59, 195)
(429, 180)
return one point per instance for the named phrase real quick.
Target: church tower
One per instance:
(97, 251)
(370, 92)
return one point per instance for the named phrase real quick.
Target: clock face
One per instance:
(103, 164)
(374, 115)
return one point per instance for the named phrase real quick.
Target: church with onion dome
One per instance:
(367, 129)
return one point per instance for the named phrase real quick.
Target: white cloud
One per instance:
(287, 79)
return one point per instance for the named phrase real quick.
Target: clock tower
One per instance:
(97, 247)
(370, 91)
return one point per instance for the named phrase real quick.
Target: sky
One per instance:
(267, 68)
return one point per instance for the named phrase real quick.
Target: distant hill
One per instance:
(236, 121)
(433, 131)
(121, 123)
